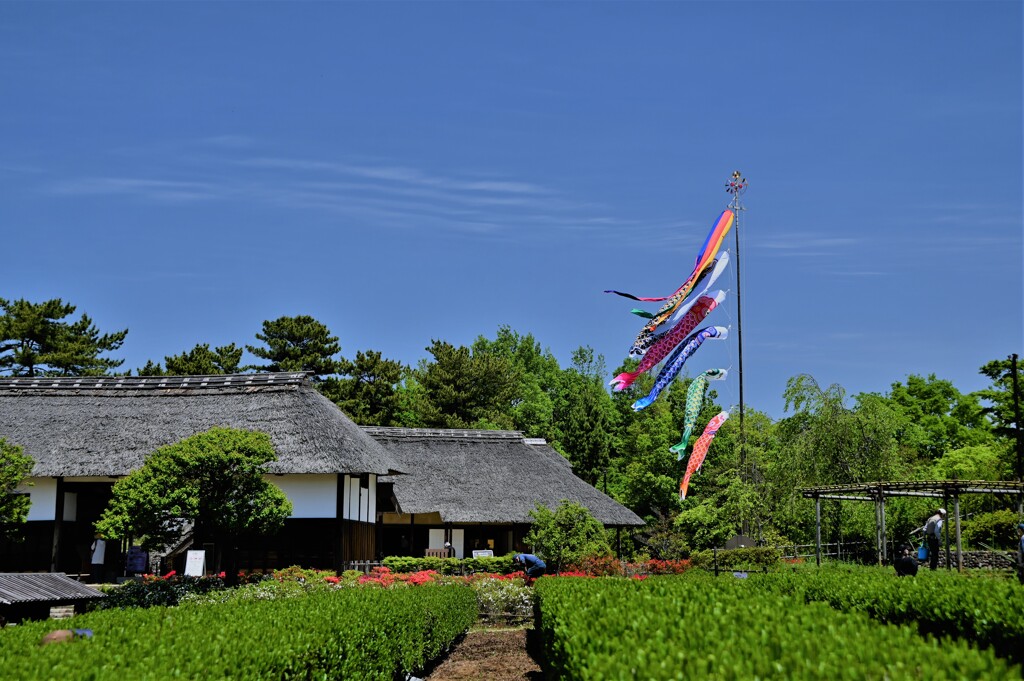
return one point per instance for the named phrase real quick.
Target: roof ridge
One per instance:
(442, 433)
(152, 382)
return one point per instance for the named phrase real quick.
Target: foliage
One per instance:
(153, 590)
(1004, 399)
(297, 344)
(450, 566)
(566, 535)
(329, 634)
(937, 417)
(212, 480)
(598, 566)
(502, 598)
(466, 389)
(986, 612)
(585, 417)
(15, 468)
(653, 628)
(752, 558)
(199, 361)
(995, 529)
(368, 390)
(34, 341)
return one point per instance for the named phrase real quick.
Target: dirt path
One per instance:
(491, 654)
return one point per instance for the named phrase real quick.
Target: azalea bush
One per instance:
(154, 590)
(501, 597)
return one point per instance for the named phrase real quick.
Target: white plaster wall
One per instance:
(43, 494)
(312, 496)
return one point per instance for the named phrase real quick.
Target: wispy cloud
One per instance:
(157, 190)
(383, 194)
(805, 245)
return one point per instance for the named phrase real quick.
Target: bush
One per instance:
(330, 634)
(754, 558)
(567, 535)
(995, 529)
(159, 591)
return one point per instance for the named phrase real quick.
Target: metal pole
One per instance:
(736, 186)
(1016, 417)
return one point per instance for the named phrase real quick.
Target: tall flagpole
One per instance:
(737, 186)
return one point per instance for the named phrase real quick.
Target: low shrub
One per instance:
(153, 590)
(331, 633)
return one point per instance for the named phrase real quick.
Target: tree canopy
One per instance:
(35, 340)
(212, 481)
(297, 344)
(199, 361)
(15, 467)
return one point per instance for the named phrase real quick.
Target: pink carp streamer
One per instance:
(707, 255)
(665, 344)
(700, 450)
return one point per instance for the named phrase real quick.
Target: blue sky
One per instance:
(412, 171)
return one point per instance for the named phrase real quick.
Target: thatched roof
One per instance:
(471, 476)
(106, 426)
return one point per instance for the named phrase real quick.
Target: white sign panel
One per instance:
(195, 564)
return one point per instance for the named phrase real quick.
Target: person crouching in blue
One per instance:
(533, 566)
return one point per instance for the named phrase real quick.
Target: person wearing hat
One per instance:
(933, 533)
(1020, 552)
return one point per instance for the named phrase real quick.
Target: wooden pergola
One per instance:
(878, 492)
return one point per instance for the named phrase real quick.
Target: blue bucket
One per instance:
(922, 552)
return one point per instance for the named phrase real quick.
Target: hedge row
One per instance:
(347, 633)
(500, 565)
(686, 628)
(986, 611)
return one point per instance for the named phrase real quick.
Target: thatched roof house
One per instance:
(107, 426)
(486, 476)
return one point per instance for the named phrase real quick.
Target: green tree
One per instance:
(566, 535)
(369, 389)
(585, 416)
(937, 416)
(539, 379)
(462, 389)
(35, 341)
(199, 361)
(15, 467)
(297, 344)
(212, 481)
(1005, 405)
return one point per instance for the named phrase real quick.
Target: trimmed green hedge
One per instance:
(344, 633)
(501, 565)
(756, 558)
(691, 627)
(987, 611)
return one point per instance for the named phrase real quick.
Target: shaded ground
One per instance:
(492, 654)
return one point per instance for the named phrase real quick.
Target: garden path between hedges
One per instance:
(491, 654)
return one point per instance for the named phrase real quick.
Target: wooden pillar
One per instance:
(817, 529)
(959, 546)
(878, 530)
(412, 534)
(58, 524)
(339, 524)
(945, 529)
(885, 538)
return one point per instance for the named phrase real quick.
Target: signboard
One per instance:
(486, 553)
(195, 564)
(137, 560)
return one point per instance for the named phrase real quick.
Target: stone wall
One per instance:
(993, 560)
